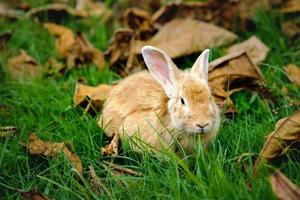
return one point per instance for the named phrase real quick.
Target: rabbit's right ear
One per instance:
(162, 68)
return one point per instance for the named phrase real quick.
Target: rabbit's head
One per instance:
(191, 106)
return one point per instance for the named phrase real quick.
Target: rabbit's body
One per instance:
(162, 106)
(134, 111)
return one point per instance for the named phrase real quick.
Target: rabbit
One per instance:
(164, 106)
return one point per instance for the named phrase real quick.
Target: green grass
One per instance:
(44, 106)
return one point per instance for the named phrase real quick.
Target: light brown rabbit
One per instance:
(163, 106)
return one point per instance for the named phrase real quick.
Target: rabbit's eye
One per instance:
(182, 101)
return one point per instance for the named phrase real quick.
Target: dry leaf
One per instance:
(74, 49)
(287, 132)
(140, 22)
(7, 11)
(223, 13)
(293, 73)
(230, 74)
(283, 188)
(7, 131)
(120, 170)
(74, 159)
(291, 29)
(39, 147)
(53, 67)
(112, 148)
(91, 98)
(96, 182)
(87, 8)
(256, 49)
(33, 195)
(182, 37)
(52, 12)
(23, 66)
(120, 46)
(4, 37)
(291, 6)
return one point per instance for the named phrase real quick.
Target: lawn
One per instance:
(44, 105)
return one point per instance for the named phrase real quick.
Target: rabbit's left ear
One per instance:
(162, 68)
(200, 67)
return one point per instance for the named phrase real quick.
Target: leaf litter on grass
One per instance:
(23, 66)
(286, 134)
(37, 146)
(7, 131)
(75, 48)
(283, 188)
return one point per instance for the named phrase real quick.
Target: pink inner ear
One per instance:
(159, 66)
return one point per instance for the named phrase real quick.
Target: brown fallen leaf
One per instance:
(120, 170)
(283, 188)
(227, 14)
(91, 98)
(75, 48)
(7, 131)
(182, 37)
(37, 146)
(96, 182)
(112, 148)
(119, 50)
(54, 67)
(87, 8)
(52, 12)
(74, 159)
(8, 11)
(286, 133)
(291, 29)
(4, 37)
(291, 6)
(256, 49)
(23, 66)
(33, 195)
(293, 73)
(140, 22)
(230, 74)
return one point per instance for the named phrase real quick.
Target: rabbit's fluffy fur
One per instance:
(163, 106)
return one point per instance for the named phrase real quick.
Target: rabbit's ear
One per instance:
(162, 68)
(200, 67)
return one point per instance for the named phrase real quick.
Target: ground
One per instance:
(44, 106)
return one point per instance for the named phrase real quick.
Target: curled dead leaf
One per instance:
(182, 37)
(291, 29)
(74, 159)
(286, 133)
(87, 8)
(230, 74)
(53, 12)
(33, 195)
(91, 98)
(75, 49)
(54, 67)
(224, 13)
(283, 188)
(37, 146)
(293, 73)
(291, 6)
(256, 49)
(4, 37)
(23, 66)
(112, 148)
(7, 131)
(140, 22)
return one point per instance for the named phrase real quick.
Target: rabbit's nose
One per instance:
(202, 128)
(202, 125)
